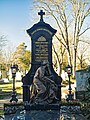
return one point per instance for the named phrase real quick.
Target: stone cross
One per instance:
(41, 13)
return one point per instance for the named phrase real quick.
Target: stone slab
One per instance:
(42, 107)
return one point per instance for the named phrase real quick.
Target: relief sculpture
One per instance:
(43, 89)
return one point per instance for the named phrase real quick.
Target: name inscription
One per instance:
(41, 49)
(40, 30)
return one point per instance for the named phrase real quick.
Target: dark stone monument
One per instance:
(41, 37)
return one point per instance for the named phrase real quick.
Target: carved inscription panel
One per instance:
(41, 49)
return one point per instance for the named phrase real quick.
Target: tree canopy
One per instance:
(21, 57)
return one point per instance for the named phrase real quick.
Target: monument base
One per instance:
(12, 108)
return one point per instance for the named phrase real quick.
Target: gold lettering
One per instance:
(41, 49)
(41, 29)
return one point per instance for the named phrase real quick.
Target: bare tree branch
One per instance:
(60, 41)
(84, 31)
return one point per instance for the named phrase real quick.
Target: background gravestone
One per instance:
(82, 77)
(41, 42)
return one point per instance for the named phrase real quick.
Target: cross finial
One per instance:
(41, 13)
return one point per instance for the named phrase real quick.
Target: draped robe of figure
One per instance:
(44, 86)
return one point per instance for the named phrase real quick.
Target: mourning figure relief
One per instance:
(43, 89)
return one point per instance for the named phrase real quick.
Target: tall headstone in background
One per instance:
(82, 84)
(41, 42)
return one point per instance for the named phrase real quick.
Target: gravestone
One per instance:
(41, 41)
(82, 84)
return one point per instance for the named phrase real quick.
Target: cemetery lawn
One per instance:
(6, 89)
(6, 93)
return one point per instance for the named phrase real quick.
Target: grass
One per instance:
(6, 92)
(6, 89)
(1, 111)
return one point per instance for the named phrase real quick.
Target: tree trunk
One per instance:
(59, 70)
(74, 61)
(69, 56)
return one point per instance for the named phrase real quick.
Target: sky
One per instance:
(16, 17)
